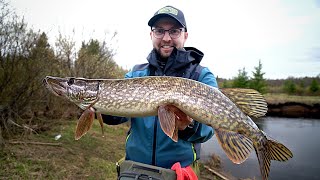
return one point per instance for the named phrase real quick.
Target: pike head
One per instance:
(82, 92)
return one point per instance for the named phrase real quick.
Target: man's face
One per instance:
(164, 46)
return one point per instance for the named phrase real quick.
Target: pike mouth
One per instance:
(55, 85)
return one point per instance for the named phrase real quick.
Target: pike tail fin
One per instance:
(238, 147)
(84, 123)
(268, 149)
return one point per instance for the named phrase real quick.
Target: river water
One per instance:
(301, 136)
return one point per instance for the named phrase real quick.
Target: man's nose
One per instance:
(166, 36)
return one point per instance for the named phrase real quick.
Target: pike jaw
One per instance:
(82, 92)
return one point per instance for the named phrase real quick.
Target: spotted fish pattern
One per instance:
(227, 111)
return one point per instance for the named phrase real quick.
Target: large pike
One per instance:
(177, 100)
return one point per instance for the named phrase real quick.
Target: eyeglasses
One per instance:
(173, 33)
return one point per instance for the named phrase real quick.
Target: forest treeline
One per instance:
(26, 57)
(306, 86)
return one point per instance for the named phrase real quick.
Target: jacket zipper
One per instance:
(154, 142)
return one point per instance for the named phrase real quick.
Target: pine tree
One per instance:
(289, 86)
(314, 86)
(258, 82)
(242, 80)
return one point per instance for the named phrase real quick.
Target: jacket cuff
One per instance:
(189, 131)
(113, 120)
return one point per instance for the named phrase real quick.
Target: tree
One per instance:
(258, 82)
(314, 86)
(242, 80)
(66, 54)
(95, 60)
(41, 62)
(23, 56)
(225, 84)
(289, 86)
(26, 57)
(300, 87)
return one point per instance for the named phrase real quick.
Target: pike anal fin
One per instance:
(236, 146)
(172, 119)
(84, 123)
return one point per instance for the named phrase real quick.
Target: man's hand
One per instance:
(183, 123)
(173, 119)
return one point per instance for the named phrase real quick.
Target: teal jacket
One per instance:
(146, 142)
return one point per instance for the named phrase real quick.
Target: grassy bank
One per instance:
(40, 156)
(284, 98)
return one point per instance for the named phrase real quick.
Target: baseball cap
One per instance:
(169, 11)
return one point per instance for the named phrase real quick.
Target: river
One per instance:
(301, 136)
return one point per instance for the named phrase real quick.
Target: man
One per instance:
(146, 142)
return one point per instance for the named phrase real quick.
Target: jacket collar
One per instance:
(179, 58)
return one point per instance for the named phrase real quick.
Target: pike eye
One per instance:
(71, 81)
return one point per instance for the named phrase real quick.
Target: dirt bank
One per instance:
(294, 110)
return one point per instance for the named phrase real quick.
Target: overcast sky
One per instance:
(233, 34)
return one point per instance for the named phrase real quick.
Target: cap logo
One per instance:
(168, 10)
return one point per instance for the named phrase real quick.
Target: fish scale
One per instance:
(176, 99)
(197, 100)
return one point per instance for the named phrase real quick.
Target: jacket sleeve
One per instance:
(115, 120)
(198, 132)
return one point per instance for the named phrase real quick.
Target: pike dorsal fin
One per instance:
(250, 101)
(236, 146)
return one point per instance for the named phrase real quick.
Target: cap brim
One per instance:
(155, 18)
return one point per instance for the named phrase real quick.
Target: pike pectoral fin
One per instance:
(175, 135)
(84, 123)
(172, 119)
(100, 122)
(235, 145)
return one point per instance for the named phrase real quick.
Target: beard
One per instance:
(165, 53)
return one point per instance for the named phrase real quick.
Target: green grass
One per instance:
(91, 157)
(283, 98)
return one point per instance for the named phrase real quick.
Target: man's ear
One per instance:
(151, 35)
(186, 36)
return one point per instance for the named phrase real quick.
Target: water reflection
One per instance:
(301, 136)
